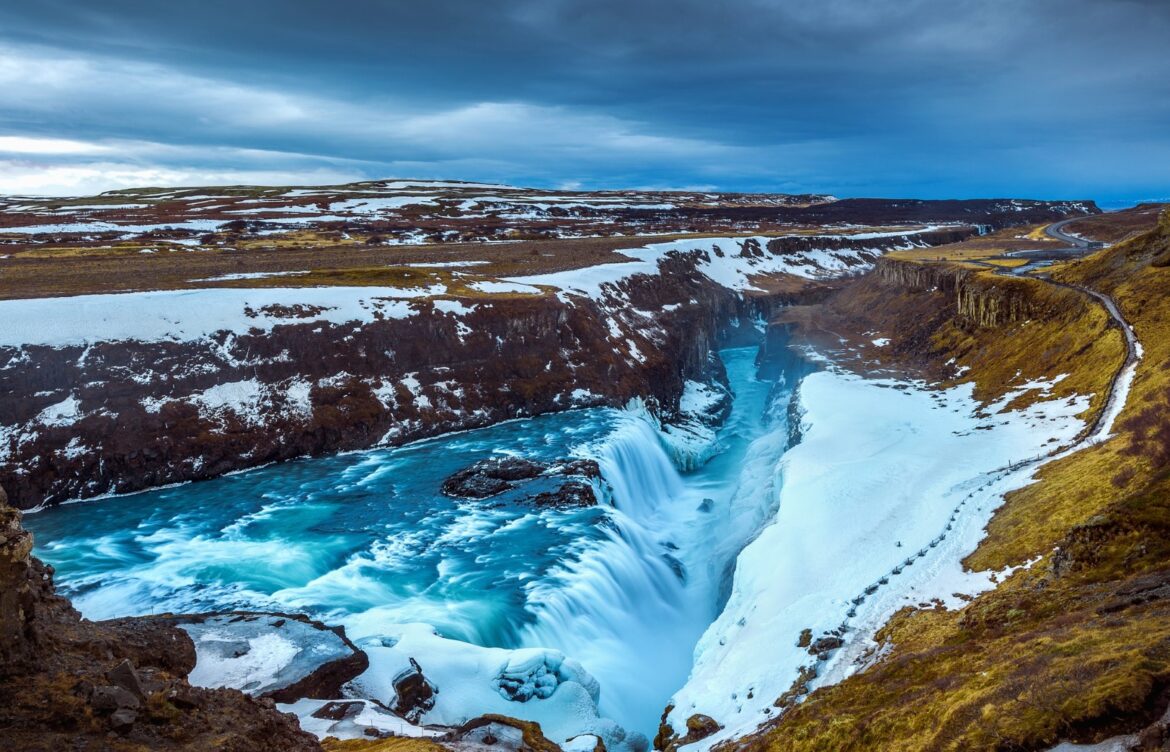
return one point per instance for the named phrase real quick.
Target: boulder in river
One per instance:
(491, 476)
(496, 475)
(572, 494)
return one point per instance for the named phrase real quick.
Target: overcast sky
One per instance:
(926, 98)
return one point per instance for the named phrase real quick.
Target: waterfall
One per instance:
(638, 469)
(621, 604)
(644, 596)
(369, 542)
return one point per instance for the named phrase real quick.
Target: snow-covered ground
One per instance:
(890, 487)
(189, 315)
(723, 263)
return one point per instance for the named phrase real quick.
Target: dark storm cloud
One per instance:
(955, 97)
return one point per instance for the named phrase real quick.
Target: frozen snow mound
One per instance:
(532, 684)
(537, 672)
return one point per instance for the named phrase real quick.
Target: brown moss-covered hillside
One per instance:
(1078, 646)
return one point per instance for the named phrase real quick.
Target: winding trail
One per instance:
(1099, 429)
(855, 654)
(1122, 379)
(1056, 231)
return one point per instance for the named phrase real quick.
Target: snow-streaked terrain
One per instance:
(189, 315)
(723, 260)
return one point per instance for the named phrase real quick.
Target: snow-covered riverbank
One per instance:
(890, 487)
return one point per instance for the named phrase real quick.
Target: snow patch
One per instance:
(64, 413)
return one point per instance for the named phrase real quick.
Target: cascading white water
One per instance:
(621, 605)
(638, 469)
(642, 599)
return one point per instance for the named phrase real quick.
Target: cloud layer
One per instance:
(1044, 98)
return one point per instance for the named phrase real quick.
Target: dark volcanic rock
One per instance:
(111, 698)
(124, 676)
(490, 477)
(825, 644)
(338, 711)
(583, 468)
(570, 495)
(122, 719)
(414, 694)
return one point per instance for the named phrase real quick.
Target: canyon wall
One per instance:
(120, 415)
(980, 299)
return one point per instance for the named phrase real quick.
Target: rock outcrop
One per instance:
(699, 727)
(490, 477)
(570, 495)
(980, 299)
(494, 476)
(413, 692)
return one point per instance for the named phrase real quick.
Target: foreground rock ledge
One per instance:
(68, 683)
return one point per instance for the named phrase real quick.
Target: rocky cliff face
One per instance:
(66, 683)
(980, 300)
(150, 413)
